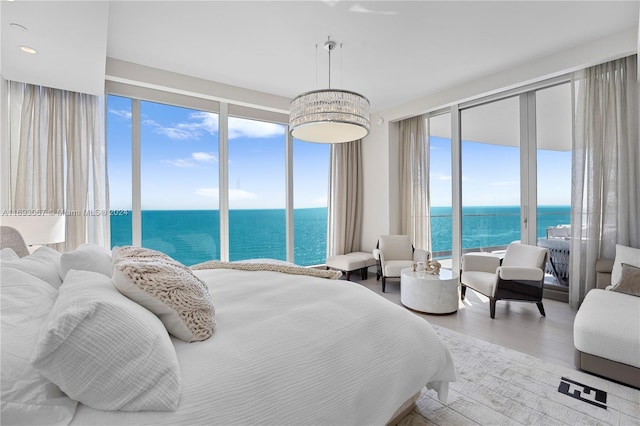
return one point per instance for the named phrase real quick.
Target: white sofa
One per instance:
(607, 328)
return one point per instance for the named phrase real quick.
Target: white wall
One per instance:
(380, 147)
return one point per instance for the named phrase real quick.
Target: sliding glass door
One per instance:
(553, 137)
(440, 184)
(490, 167)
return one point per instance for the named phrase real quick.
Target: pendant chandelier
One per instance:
(329, 115)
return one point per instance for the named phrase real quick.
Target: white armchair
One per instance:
(519, 277)
(394, 253)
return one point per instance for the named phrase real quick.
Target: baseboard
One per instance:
(553, 294)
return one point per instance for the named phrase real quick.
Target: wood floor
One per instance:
(517, 325)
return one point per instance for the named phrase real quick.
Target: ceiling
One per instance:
(392, 52)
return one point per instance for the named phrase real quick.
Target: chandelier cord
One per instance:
(329, 48)
(341, 85)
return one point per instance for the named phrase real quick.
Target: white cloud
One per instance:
(204, 157)
(180, 162)
(206, 122)
(196, 159)
(234, 194)
(239, 127)
(122, 113)
(208, 192)
(198, 124)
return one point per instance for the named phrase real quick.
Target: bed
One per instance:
(286, 349)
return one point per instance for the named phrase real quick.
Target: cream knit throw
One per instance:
(264, 266)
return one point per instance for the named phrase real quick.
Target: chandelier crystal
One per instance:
(329, 115)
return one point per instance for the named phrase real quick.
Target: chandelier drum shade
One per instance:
(329, 115)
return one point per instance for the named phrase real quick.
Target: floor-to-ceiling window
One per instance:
(311, 182)
(440, 184)
(119, 169)
(257, 187)
(179, 182)
(169, 166)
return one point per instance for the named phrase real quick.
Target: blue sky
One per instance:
(491, 175)
(179, 150)
(179, 170)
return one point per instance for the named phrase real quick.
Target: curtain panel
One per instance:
(415, 216)
(605, 205)
(345, 198)
(58, 159)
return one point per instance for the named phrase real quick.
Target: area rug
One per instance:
(500, 386)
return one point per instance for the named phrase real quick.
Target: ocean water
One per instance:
(193, 236)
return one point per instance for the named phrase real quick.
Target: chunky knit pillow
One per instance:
(167, 288)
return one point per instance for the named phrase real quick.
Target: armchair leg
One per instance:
(541, 308)
(384, 283)
(463, 291)
(492, 307)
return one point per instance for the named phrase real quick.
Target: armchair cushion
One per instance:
(396, 247)
(482, 262)
(520, 273)
(484, 282)
(392, 268)
(525, 255)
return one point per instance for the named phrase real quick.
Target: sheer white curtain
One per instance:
(345, 198)
(415, 219)
(605, 205)
(58, 160)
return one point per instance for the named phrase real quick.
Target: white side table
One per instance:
(430, 294)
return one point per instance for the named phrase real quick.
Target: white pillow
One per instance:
(44, 263)
(624, 254)
(27, 397)
(8, 254)
(105, 350)
(168, 289)
(87, 257)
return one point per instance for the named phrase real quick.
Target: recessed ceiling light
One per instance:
(28, 49)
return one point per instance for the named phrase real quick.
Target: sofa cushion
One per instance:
(629, 281)
(607, 326)
(624, 254)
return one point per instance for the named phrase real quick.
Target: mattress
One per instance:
(290, 349)
(608, 325)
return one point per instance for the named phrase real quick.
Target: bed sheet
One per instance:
(291, 349)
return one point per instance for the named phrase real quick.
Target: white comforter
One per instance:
(295, 350)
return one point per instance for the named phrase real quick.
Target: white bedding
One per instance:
(298, 350)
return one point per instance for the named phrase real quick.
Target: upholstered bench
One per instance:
(350, 262)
